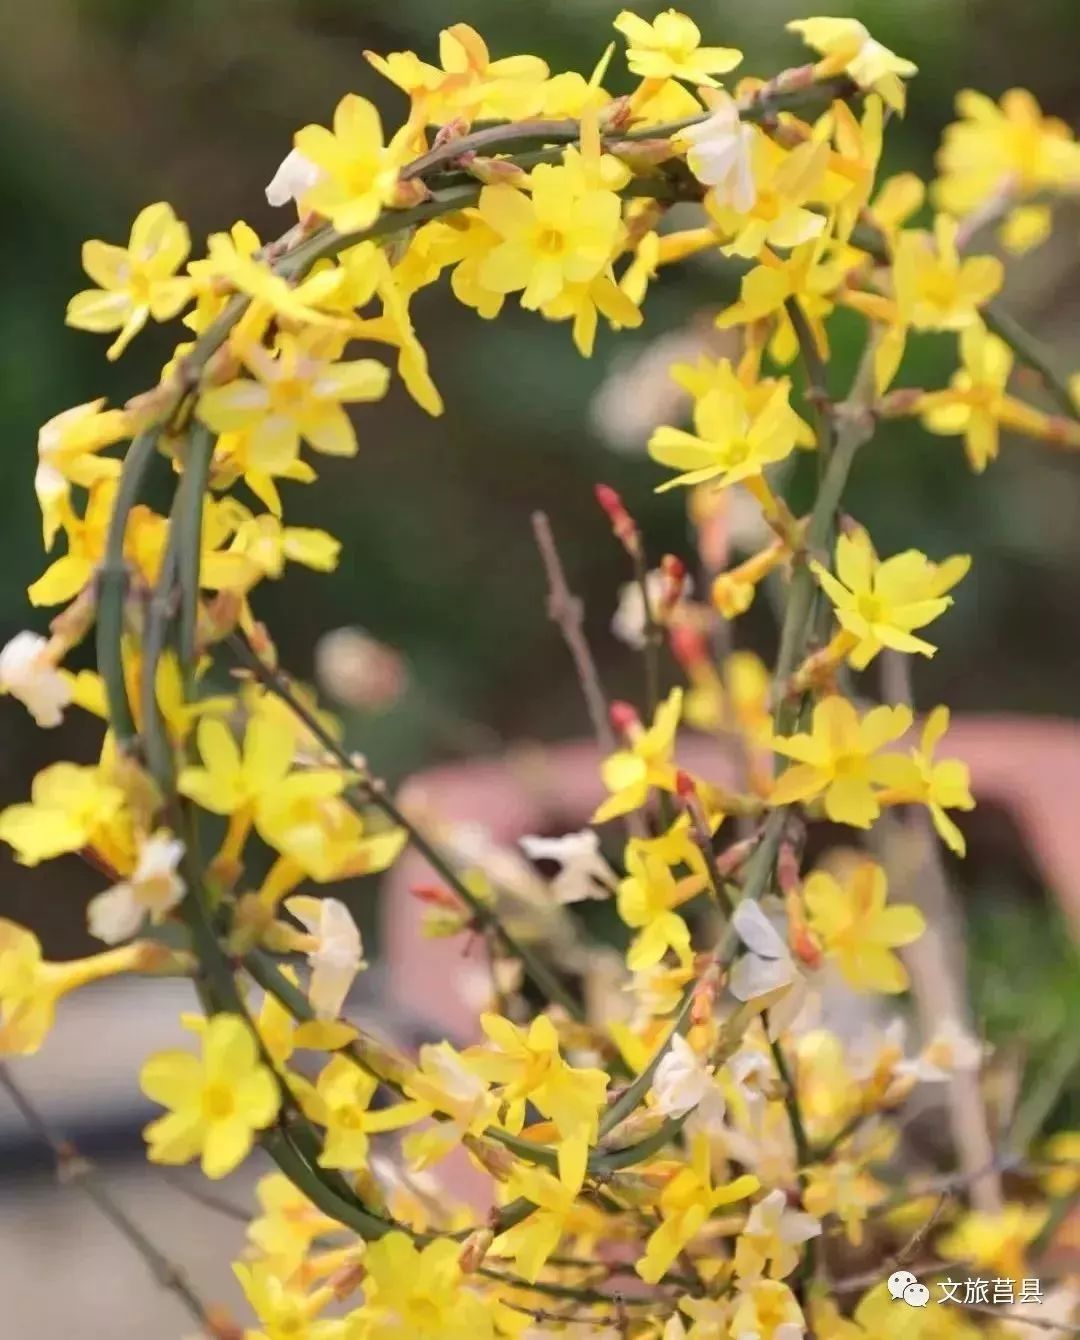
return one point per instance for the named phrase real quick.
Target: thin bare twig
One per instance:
(74, 1170)
(566, 611)
(936, 965)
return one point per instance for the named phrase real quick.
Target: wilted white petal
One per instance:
(115, 915)
(27, 673)
(721, 154)
(682, 1083)
(753, 977)
(756, 931)
(296, 176)
(584, 873)
(338, 954)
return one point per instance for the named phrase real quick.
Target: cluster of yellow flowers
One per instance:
(704, 1158)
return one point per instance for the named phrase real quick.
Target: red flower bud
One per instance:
(684, 785)
(623, 716)
(688, 645)
(622, 523)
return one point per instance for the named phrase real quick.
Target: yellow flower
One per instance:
(777, 217)
(843, 1189)
(67, 454)
(532, 1241)
(285, 1312)
(70, 807)
(878, 603)
(444, 1083)
(772, 1237)
(837, 759)
(976, 404)
(299, 393)
(260, 546)
(935, 289)
(257, 785)
(30, 987)
(467, 81)
(670, 48)
(419, 1293)
(528, 1066)
(563, 232)
(806, 275)
(767, 1310)
(66, 576)
(1008, 148)
(135, 282)
(997, 1241)
(629, 773)
(847, 46)
(216, 1103)
(857, 930)
(688, 1199)
(287, 1226)
(231, 257)
(339, 1102)
(739, 432)
(647, 898)
(358, 173)
(940, 785)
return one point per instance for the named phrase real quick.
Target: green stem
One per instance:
(791, 1101)
(112, 583)
(1031, 352)
(191, 492)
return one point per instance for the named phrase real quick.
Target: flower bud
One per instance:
(624, 718)
(493, 171)
(688, 646)
(475, 1249)
(410, 193)
(494, 1159)
(622, 523)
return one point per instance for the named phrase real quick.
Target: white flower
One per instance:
(584, 873)
(153, 889)
(752, 1073)
(293, 179)
(337, 954)
(27, 673)
(720, 156)
(628, 622)
(682, 1083)
(767, 968)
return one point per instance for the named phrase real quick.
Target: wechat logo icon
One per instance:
(905, 1288)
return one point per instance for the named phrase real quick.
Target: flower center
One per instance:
(217, 1102)
(551, 242)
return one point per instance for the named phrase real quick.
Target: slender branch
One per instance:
(368, 792)
(1031, 352)
(791, 1102)
(566, 611)
(654, 638)
(74, 1170)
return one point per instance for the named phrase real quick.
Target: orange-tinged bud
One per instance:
(685, 787)
(436, 895)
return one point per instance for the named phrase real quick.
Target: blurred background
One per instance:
(108, 105)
